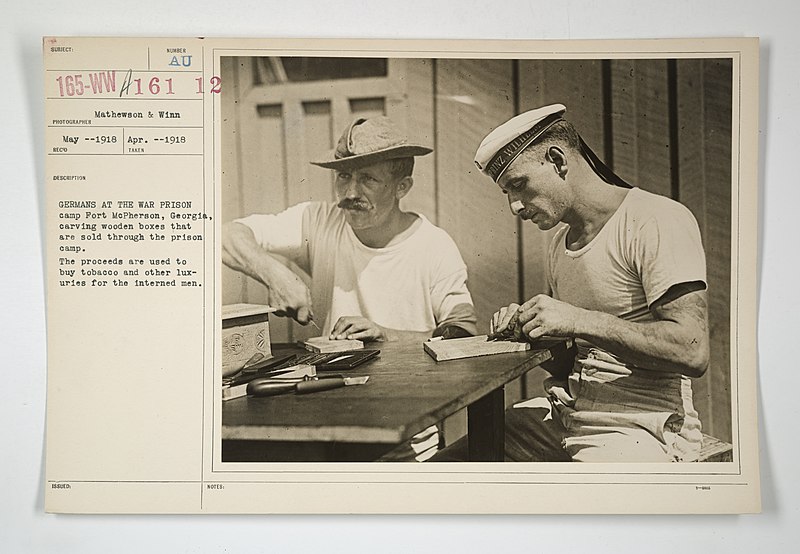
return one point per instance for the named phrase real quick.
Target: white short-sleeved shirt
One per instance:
(650, 244)
(416, 284)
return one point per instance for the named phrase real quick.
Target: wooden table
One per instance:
(406, 393)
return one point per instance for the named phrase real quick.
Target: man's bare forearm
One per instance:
(241, 252)
(659, 345)
(675, 341)
(287, 292)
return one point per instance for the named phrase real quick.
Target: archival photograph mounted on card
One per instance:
(355, 266)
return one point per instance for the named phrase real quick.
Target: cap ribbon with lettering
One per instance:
(509, 140)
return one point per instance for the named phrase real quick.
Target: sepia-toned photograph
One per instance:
(458, 260)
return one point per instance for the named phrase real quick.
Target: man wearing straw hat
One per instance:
(377, 272)
(626, 272)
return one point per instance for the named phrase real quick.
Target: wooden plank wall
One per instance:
(662, 125)
(704, 123)
(472, 97)
(469, 103)
(640, 124)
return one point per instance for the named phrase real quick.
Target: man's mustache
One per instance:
(353, 204)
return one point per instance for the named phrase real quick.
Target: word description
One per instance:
(152, 243)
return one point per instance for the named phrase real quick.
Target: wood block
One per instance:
(470, 347)
(323, 345)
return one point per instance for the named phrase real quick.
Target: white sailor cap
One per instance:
(505, 143)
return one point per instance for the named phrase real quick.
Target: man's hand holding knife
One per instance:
(504, 324)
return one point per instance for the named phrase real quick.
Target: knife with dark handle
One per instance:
(269, 387)
(305, 387)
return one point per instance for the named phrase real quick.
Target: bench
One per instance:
(715, 450)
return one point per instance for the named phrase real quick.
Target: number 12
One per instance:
(216, 85)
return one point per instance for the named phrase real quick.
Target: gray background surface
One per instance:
(23, 525)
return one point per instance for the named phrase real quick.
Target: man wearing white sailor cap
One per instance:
(626, 273)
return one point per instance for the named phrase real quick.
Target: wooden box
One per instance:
(245, 332)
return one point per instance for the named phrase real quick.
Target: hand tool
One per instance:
(287, 371)
(508, 332)
(270, 387)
